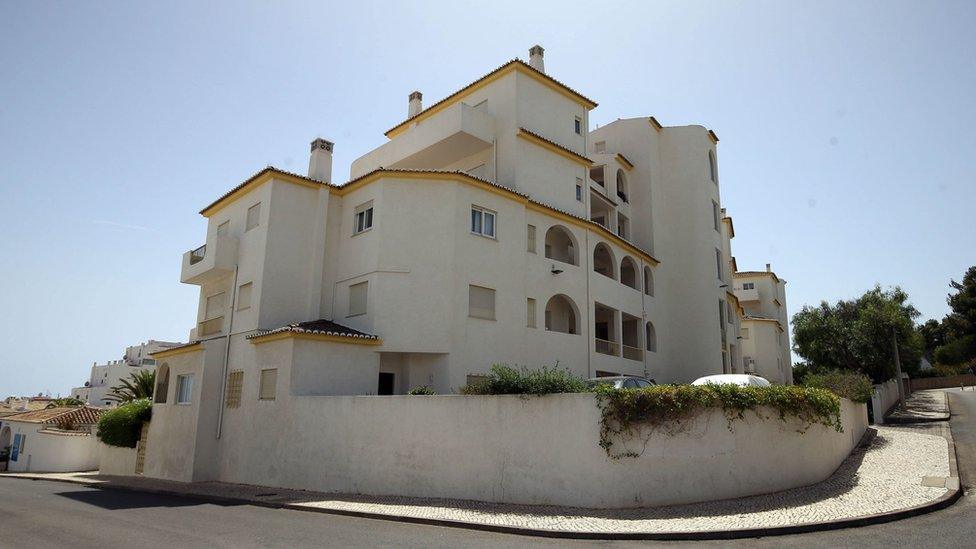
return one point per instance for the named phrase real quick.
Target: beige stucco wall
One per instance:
(486, 448)
(113, 460)
(51, 453)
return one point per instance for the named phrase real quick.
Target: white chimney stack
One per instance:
(535, 58)
(416, 104)
(769, 268)
(320, 161)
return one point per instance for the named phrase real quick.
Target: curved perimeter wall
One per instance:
(530, 450)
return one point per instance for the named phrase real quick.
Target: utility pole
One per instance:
(901, 388)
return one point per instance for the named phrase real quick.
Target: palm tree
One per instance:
(66, 401)
(139, 385)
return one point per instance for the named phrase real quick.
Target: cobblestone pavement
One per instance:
(882, 477)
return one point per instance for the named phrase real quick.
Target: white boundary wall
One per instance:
(885, 396)
(113, 460)
(530, 450)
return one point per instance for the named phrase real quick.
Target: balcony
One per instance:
(210, 261)
(459, 131)
(211, 327)
(746, 295)
(606, 347)
(633, 353)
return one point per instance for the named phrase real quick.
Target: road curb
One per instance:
(951, 496)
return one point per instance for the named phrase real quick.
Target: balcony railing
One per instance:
(212, 326)
(197, 255)
(607, 347)
(633, 353)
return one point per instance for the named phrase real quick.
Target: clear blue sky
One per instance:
(846, 155)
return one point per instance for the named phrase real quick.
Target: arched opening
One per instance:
(562, 315)
(603, 262)
(622, 191)
(628, 273)
(712, 172)
(648, 281)
(650, 337)
(162, 384)
(5, 438)
(560, 245)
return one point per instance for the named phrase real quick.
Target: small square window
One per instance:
(363, 220)
(215, 305)
(269, 384)
(481, 302)
(579, 126)
(749, 286)
(357, 298)
(482, 222)
(184, 389)
(579, 189)
(223, 229)
(253, 217)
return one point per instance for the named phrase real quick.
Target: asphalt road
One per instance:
(51, 514)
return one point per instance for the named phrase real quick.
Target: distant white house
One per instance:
(105, 376)
(51, 440)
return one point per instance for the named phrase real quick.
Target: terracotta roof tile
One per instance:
(319, 327)
(82, 415)
(269, 169)
(557, 145)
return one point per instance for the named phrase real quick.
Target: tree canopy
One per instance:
(952, 341)
(139, 385)
(856, 334)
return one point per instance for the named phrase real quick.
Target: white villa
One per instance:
(492, 227)
(765, 337)
(105, 376)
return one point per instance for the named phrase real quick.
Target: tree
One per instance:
(856, 334)
(963, 302)
(66, 401)
(139, 385)
(953, 340)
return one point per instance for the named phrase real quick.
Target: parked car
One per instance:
(622, 382)
(742, 380)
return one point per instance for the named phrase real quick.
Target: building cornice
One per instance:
(627, 164)
(278, 336)
(255, 181)
(751, 274)
(731, 226)
(713, 137)
(537, 139)
(654, 123)
(515, 65)
(175, 351)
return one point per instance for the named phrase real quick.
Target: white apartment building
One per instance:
(105, 376)
(492, 227)
(765, 334)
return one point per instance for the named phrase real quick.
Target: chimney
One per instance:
(415, 105)
(768, 268)
(535, 58)
(320, 161)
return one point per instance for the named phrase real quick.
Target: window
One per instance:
(269, 384)
(712, 172)
(223, 229)
(718, 262)
(481, 302)
(715, 214)
(579, 189)
(650, 337)
(600, 146)
(215, 306)
(235, 383)
(530, 313)
(744, 333)
(357, 298)
(253, 217)
(579, 126)
(749, 286)
(482, 222)
(363, 220)
(721, 314)
(530, 239)
(184, 389)
(648, 281)
(244, 296)
(148, 362)
(728, 313)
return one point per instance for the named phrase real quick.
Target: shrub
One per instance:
(121, 426)
(505, 380)
(957, 351)
(422, 390)
(850, 385)
(626, 412)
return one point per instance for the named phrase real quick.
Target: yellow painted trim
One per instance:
(654, 123)
(750, 274)
(268, 338)
(713, 137)
(776, 301)
(254, 184)
(513, 66)
(623, 160)
(553, 148)
(731, 226)
(166, 353)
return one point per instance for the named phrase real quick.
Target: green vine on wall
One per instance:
(629, 412)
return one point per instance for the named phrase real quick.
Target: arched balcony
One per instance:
(603, 261)
(628, 273)
(648, 281)
(562, 315)
(561, 246)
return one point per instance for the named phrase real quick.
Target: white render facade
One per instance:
(492, 227)
(765, 334)
(105, 376)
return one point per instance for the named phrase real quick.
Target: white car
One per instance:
(742, 380)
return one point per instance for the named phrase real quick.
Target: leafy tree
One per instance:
(963, 302)
(953, 340)
(856, 334)
(139, 385)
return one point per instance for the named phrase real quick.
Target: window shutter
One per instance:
(269, 384)
(530, 312)
(481, 302)
(357, 298)
(530, 238)
(235, 383)
(253, 216)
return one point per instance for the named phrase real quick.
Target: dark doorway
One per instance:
(386, 383)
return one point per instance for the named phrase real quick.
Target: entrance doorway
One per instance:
(386, 383)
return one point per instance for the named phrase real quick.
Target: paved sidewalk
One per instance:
(922, 406)
(902, 467)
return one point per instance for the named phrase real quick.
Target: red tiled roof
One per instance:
(268, 169)
(82, 415)
(557, 145)
(320, 327)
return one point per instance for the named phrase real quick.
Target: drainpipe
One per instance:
(589, 357)
(223, 378)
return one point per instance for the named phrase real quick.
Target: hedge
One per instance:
(846, 384)
(122, 426)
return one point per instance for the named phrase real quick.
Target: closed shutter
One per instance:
(235, 384)
(269, 384)
(530, 239)
(357, 298)
(253, 217)
(481, 302)
(530, 312)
